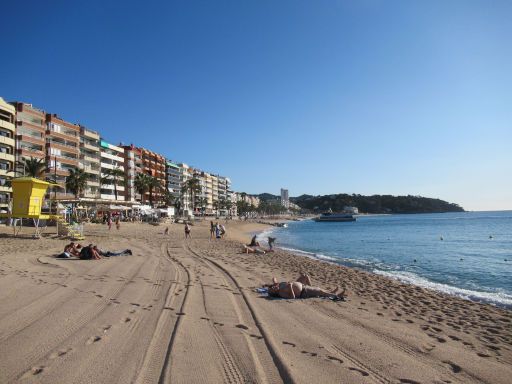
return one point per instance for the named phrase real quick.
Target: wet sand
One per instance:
(186, 311)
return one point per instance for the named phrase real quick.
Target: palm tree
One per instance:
(169, 198)
(192, 187)
(76, 181)
(153, 183)
(114, 175)
(141, 185)
(33, 167)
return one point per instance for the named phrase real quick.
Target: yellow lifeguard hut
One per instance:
(28, 196)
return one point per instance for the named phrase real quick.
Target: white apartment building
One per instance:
(89, 161)
(186, 173)
(112, 157)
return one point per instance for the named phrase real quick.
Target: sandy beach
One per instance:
(187, 312)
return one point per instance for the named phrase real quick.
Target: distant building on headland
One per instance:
(351, 210)
(285, 199)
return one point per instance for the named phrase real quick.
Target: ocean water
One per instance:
(465, 254)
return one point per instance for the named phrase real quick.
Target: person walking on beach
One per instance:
(301, 289)
(118, 223)
(187, 232)
(271, 241)
(109, 222)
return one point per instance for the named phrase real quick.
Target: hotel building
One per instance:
(7, 151)
(111, 157)
(90, 161)
(62, 151)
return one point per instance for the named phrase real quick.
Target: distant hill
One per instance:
(370, 204)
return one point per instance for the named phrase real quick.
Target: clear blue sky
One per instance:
(369, 97)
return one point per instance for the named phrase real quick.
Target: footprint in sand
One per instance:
(332, 358)
(363, 373)
(182, 314)
(242, 326)
(126, 320)
(93, 339)
(454, 367)
(36, 370)
(312, 354)
(288, 343)
(60, 353)
(409, 381)
(106, 328)
(256, 336)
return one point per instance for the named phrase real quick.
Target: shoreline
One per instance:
(187, 311)
(481, 297)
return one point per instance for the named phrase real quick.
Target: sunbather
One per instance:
(101, 252)
(248, 249)
(301, 289)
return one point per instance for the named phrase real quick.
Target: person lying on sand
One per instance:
(301, 289)
(70, 250)
(124, 252)
(89, 253)
(248, 249)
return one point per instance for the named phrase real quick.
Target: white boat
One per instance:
(334, 217)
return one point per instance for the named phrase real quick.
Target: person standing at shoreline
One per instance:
(212, 230)
(187, 231)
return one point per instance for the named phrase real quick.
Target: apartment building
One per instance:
(30, 134)
(111, 157)
(7, 151)
(132, 166)
(186, 173)
(62, 151)
(154, 164)
(172, 177)
(89, 161)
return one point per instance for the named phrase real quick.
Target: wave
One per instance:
(312, 255)
(500, 299)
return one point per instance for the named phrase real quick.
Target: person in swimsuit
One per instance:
(187, 231)
(301, 289)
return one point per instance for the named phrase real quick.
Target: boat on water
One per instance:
(334, 217)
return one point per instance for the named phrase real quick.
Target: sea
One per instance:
(466, 254)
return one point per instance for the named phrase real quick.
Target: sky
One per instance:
(319, 97)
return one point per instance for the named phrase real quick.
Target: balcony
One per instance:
(7, 125)
(90, 147)
(90, 134)
(90, 158)
(32, 139)
(7, 157)
(7, 140)
(60, 145)
(5, 188)
(63, 135)
(30, 152)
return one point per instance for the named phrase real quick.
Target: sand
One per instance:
(186, 312)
